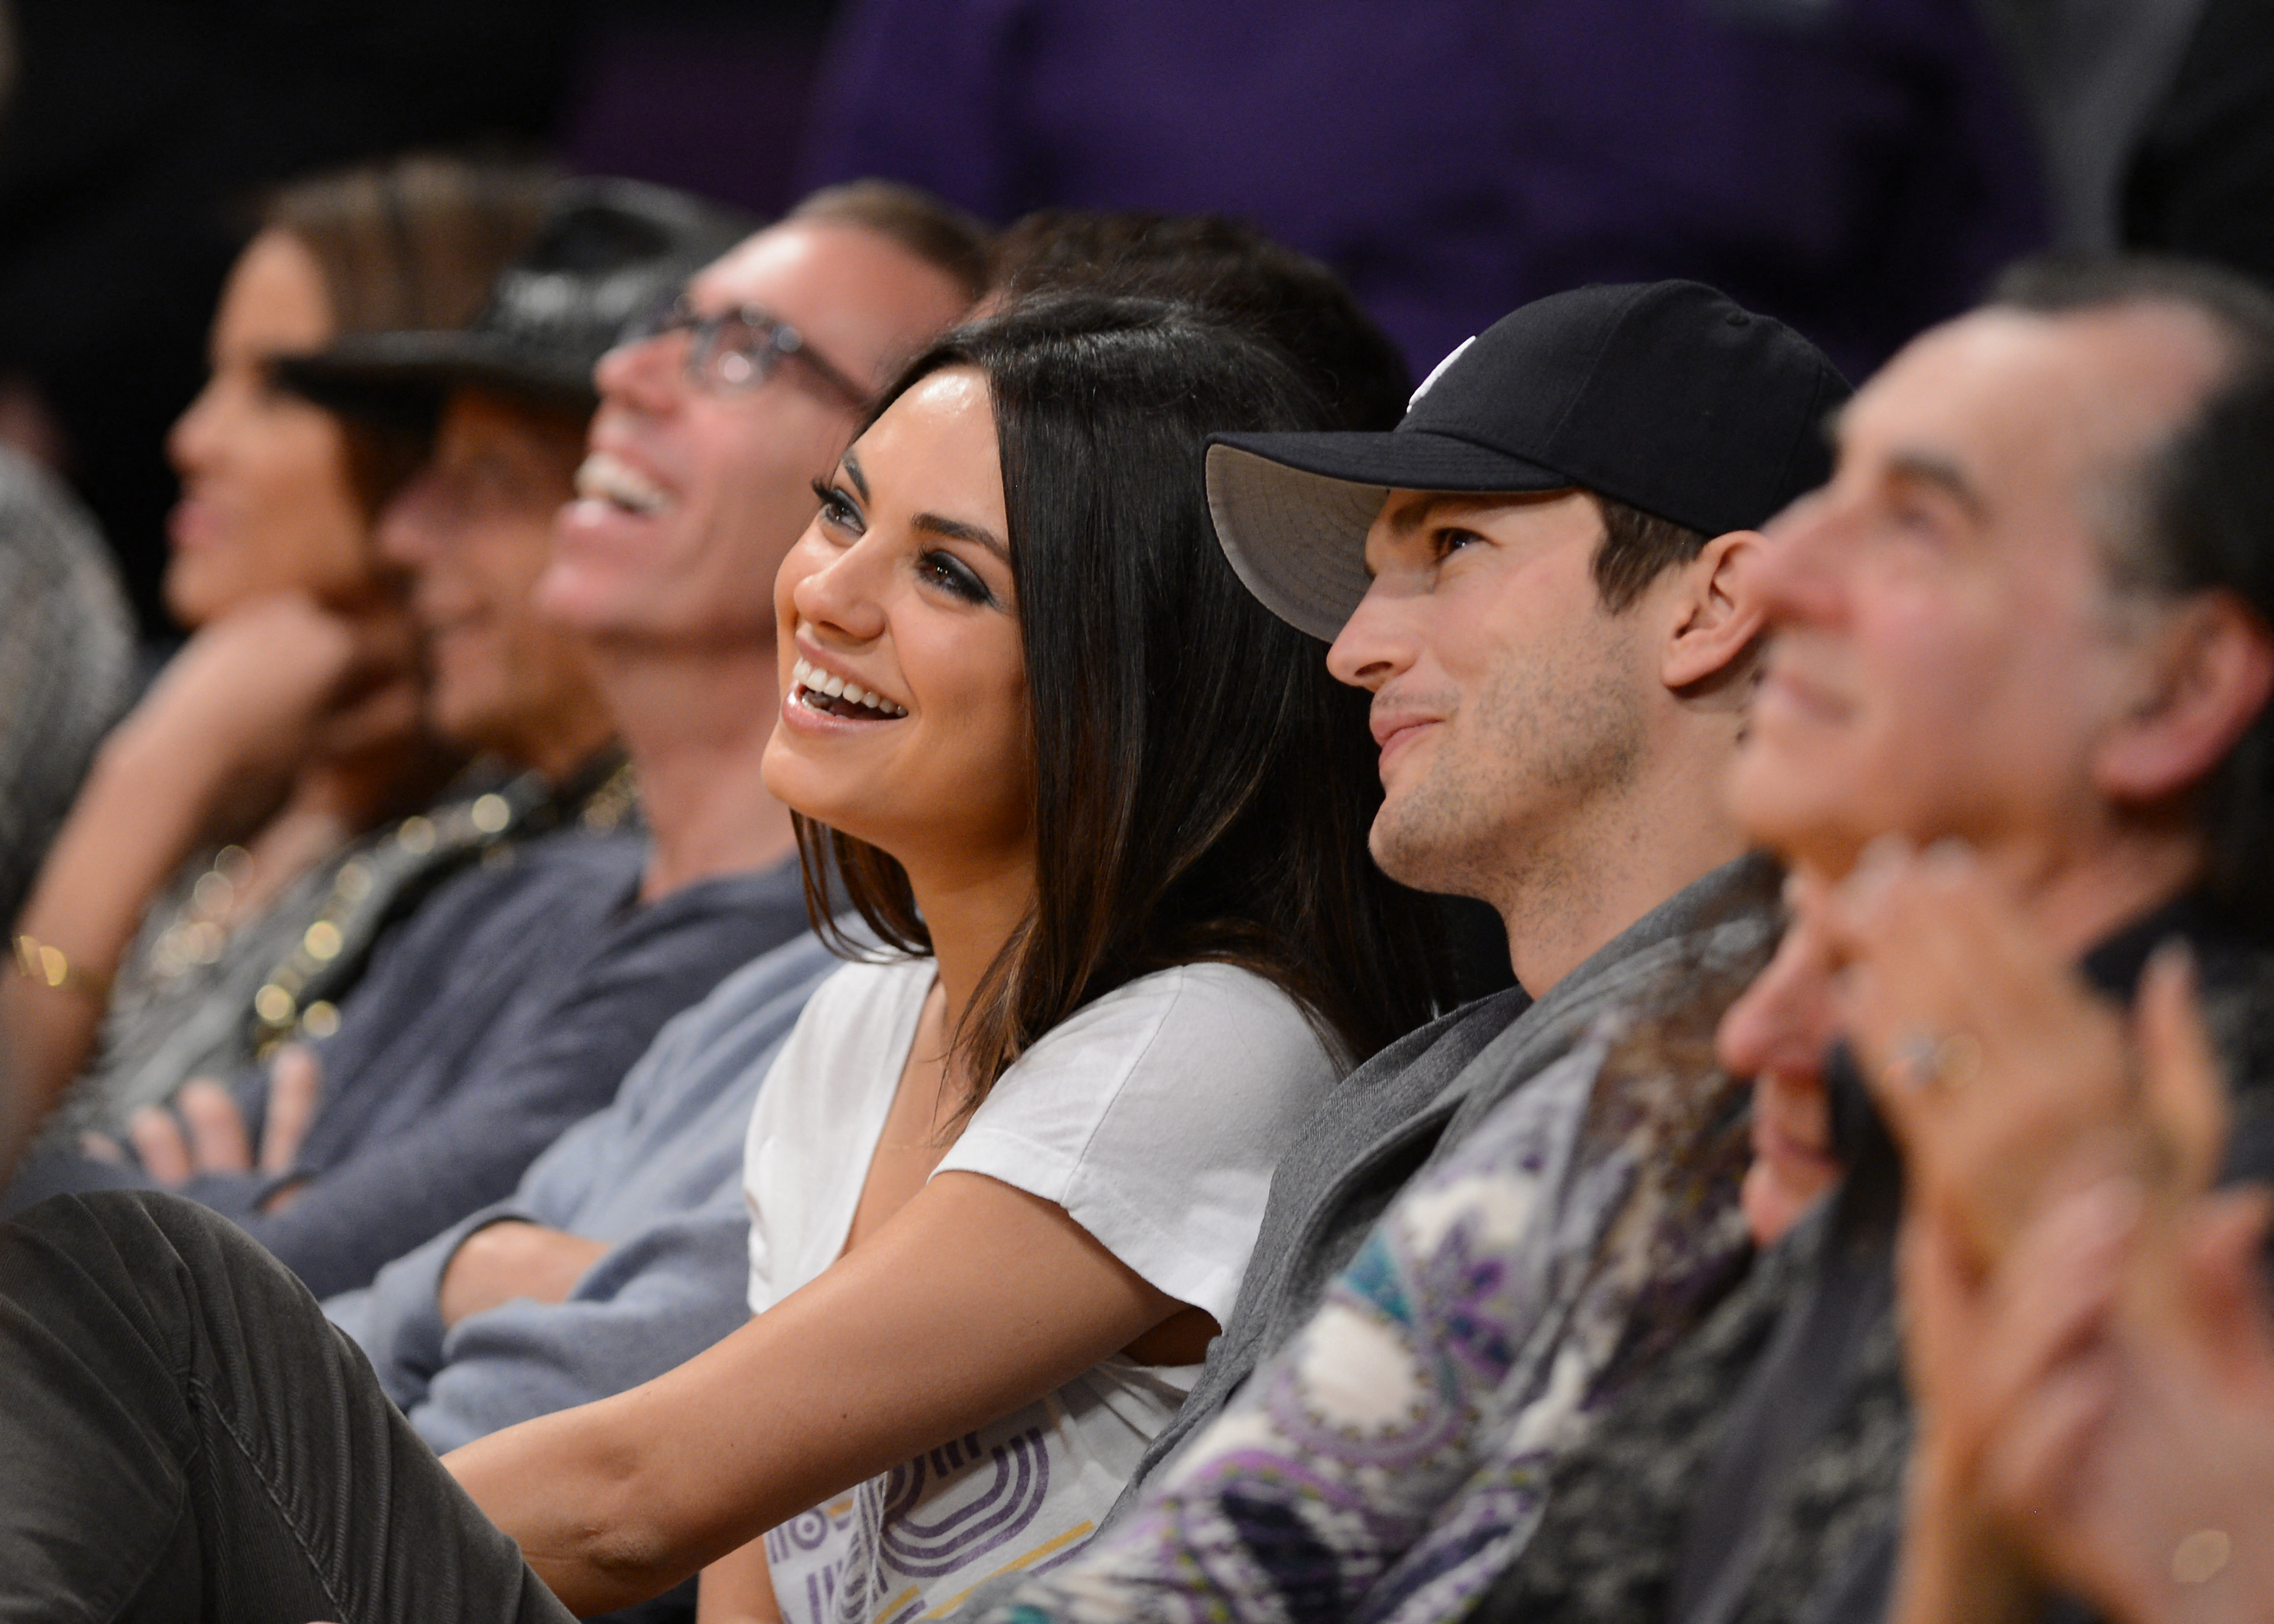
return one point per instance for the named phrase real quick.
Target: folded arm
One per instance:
(973, 1299)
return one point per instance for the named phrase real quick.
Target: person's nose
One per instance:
(646, 375)
(1378, 641)
(839, 597)
(408, 532)
(1795, 574)
(193, 442)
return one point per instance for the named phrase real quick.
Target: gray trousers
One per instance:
(184, 1436)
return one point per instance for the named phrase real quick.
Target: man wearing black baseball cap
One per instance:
(1539, 576)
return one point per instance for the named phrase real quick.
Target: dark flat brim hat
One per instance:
(401, 378)
(1665, 396)
(608, 249)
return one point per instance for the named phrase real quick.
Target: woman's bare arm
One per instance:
(739, 1589)
(209, 749)
(138, 815)
(972, 1300)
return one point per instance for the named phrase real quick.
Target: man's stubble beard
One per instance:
(1504, 816)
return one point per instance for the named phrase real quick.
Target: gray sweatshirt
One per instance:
(657, 1175)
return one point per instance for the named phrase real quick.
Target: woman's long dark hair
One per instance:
(1204, 788)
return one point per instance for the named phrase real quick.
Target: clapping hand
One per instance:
(1998, 1070)
(2099, 1406)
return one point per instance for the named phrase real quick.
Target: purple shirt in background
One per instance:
(1858, 168)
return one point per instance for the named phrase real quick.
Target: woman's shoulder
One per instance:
(1205, 1017)
(1154, 1116)
(1200, 990)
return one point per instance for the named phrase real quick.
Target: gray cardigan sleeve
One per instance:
(652, 1302)
(658, 1174)
(397, 1318)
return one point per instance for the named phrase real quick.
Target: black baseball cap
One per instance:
(608, 249)
(1665, 396)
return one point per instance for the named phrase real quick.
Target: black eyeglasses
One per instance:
(735, 350)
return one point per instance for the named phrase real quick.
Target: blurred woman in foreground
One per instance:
(207, 840)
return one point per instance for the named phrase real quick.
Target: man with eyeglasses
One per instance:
(517, 998)
(622, 1251)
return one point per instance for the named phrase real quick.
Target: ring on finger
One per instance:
(1917, 1062)
(1925, 1063)
(1958, 1060)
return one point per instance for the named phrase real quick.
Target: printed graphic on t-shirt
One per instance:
(945, 1513)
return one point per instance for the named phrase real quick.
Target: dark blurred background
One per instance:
(141, 132)
(1857, 167)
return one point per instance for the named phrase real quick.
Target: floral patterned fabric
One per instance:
(1388, 1462)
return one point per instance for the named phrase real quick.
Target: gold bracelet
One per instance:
(46, 965)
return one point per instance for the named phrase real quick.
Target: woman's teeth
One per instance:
(825, 690)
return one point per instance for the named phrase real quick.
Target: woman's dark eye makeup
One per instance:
(269, 382)
(836, 506)
(934, 565)
(952, 576)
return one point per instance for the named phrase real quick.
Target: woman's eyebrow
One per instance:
(852, 466)
(956, 530)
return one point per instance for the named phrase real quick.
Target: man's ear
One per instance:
(1714, 618)
(2210, 682)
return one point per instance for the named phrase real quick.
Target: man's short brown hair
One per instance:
(1229, 268)
(941, 235)
(1636, 548)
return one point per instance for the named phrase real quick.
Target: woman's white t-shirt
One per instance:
(1154, 1116)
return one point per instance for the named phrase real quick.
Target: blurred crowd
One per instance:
(787, 842)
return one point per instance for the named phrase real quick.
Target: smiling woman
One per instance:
(902, 590)
(1090, 844)
(1195, 770)
(1107, 815)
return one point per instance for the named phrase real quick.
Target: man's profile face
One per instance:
(1506, 698)
(691, 497)
(1946, 644)
(475, 528)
